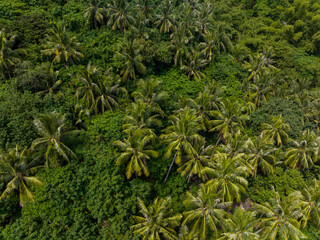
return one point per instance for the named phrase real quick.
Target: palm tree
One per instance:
(304, 152)
(166, 19)
(196, 162)
(135, 153)
(186, 234)
(280, 217)
(260, 154)
(195, 62)
(179, 41)
(95, 13)
(17, 170)
(146, 10)
(277, 131)
(229, 118)
(149, 91)
(131, 55)
(202, 20)
(181, 135)
(108, 94)
(228, 176)
(51, 85)
(311, 204)
(235, 144)
(89, 89)
(119, 18)
(222, 38)
(241, 226)
(205, 212)
(63, 47)
(157, 221)
(8, 56)
(52, 129)
(208, 46)
(141, 116)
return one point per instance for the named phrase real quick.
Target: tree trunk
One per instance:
(174, 158)
(218, 140)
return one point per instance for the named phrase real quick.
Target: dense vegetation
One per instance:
(147, 119)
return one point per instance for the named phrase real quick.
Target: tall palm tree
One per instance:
(280, 217)
(17, 169)
(186, 234)
(166, 19)
(241, 226)
(157, 221)
(118, 14)
(260, 154)
(208, 46)
(304, 152)
(277, 130)
(181, 135)
(52, 129)
(141, 116)
(205, 212)
(149, 91)
(135, 153)
(51, 85)
(63, 47)
(228, 176)
(89, 88)
(179, 40)
(8, 56)
(195, 163)
(202, 20)
(223, 38)
(95, 13)
(131, 55)
(108, 95)
(146, 10)
(194, 64)
(311, 204)
(229, 118)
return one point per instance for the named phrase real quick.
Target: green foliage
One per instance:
(284, 182)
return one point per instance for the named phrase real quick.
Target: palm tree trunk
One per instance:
(174, 158)
(218, 140)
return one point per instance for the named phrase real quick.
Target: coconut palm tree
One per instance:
(52, 129)
(311, 204)
(229, 118)
(132, 59)
(61, 46)
(208, 46)
(135, 153)
(280, 217)
(9, 56)
(277, 130)
(95, 13)
(223, 38)
(149, 91)
(304, 152)
(186, 234)
(179, 42)
(205, 212)
(17, 169)
(51, 85)
(157, 221)
(89, 87)
(181, 135)
(228, 176)
(118, 15)
(195, 163)
(241, 226)
(194, 64)
(141, 116)
(202, 20)
(261, 154)
(166, 19)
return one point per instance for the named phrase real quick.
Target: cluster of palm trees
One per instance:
(186, 32)
(208, 216)
(18, 166)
